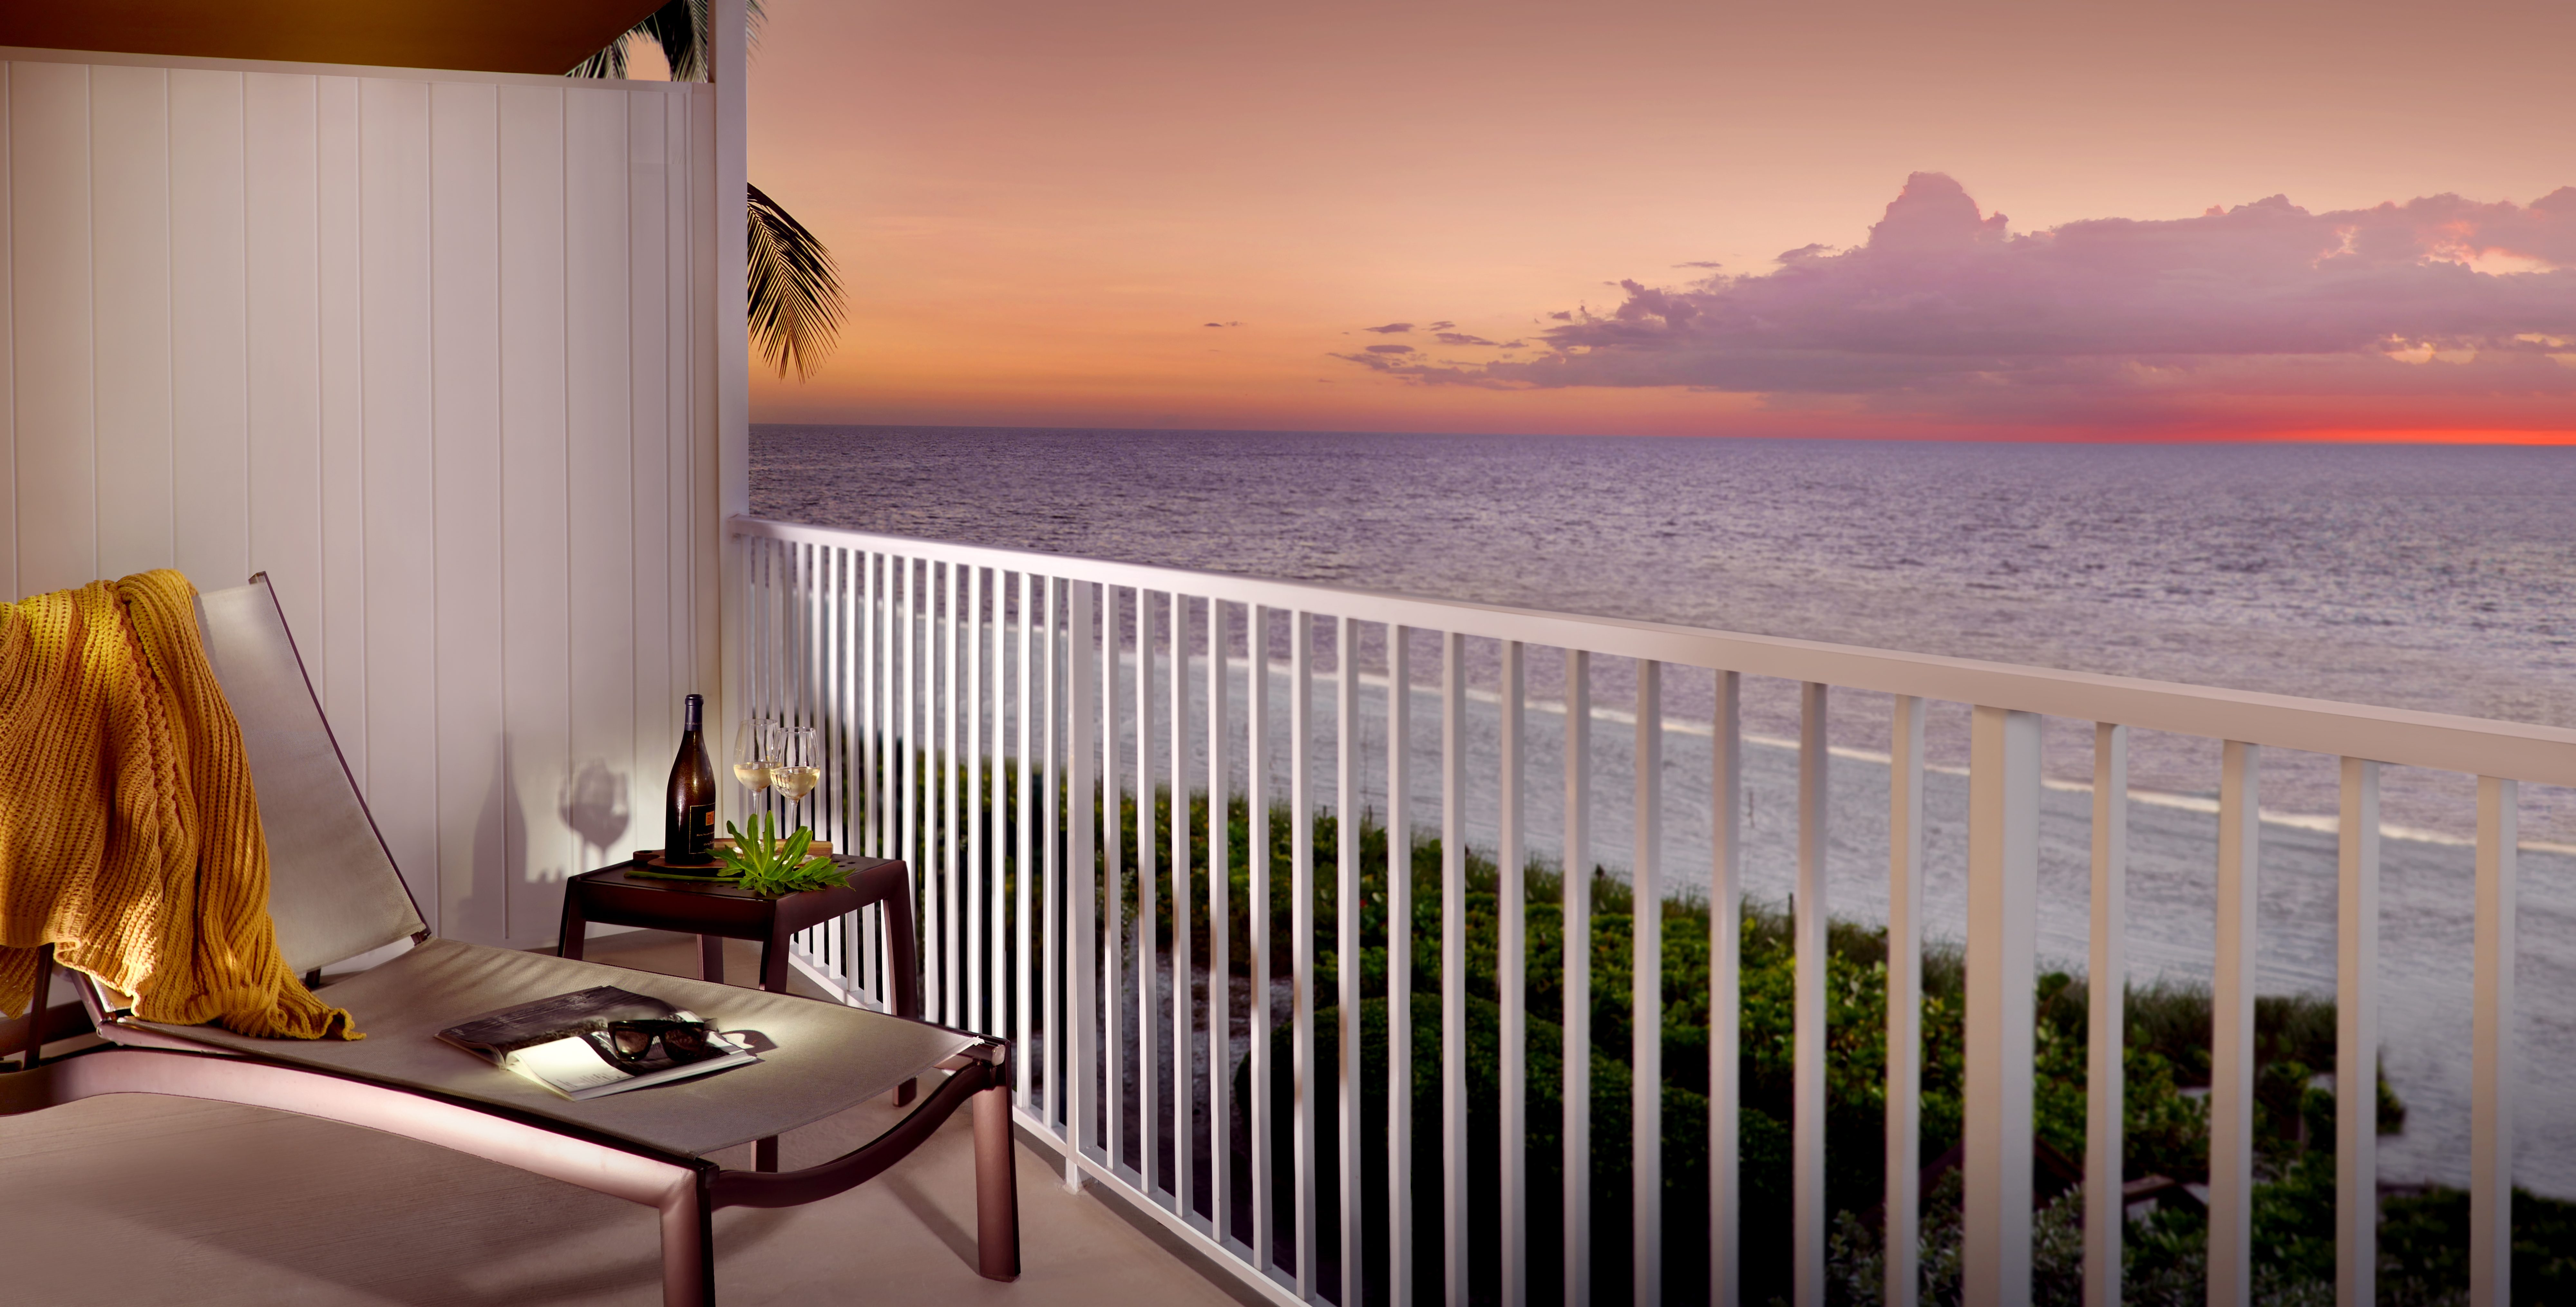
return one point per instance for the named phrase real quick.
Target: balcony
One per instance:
(452, 356)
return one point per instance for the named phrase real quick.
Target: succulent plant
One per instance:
(768, 865)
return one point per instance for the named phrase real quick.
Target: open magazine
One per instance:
(565, 1043)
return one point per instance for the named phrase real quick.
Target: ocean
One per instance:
(2435, 578)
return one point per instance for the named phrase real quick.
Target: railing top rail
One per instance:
(2401, 736)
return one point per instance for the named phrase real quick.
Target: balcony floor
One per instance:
(134, 1199)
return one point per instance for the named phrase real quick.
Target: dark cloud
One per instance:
(1391, 349)
(1222, 324)
(1462, 338)
(1442, 326)
(1700, 263)
(2441, 309)
(1390, 329)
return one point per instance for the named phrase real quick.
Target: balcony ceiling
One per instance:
(501, 36)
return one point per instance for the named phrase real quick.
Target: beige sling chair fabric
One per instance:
(129, 833)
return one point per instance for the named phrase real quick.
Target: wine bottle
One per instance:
(689, 813)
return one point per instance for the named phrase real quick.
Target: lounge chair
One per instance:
(336, 895)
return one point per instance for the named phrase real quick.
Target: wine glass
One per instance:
(755, 753)
(800, 762)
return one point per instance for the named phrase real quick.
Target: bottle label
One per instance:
(697, 830)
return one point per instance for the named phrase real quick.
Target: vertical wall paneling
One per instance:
(706, 550)
(282, 340)
(552, 802)
(431, 350)
(465, 419)
(337, 651)
(599, 501)
(130, 245)
(681, 326)
(209, 298)
(54, 433)
(648, 257)
(401, 524)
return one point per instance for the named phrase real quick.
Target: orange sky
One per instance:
(1038, 206)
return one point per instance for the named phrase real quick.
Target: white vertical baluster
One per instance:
(996, 818)
(951, 706)
(1348, 906)
(975, 1017)
(1904, 1002)
(1399, 967)
(1055, 839)
(2357, 1038)
(821, 676)
(2491, 1048)
(1184, 932)
(1646, 1014)
(1511, 979)
(908, 759)
(1455, 1234)
(1220, 641)
(2231, 1042)
(2003, 889)
(1575, 898)
(873, 715)
(1113, 902)
(1807, 1144)
(1725, 1004)
(1257, 760)
(1149, 1067)
(1052, 654)
(873, 720)
(1301, 927)
(2107, 1017)
(1083, 887)
(1025, 863)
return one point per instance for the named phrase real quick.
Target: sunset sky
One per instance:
(2032, 221)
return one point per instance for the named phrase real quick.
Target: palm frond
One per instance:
(680, 28)
(794, 290)
(609, 62)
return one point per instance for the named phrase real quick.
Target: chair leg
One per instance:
(689, 1246)
(997, 1188)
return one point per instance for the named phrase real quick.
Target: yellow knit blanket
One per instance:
(129, 835)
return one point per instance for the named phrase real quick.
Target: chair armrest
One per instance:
(972, 1071)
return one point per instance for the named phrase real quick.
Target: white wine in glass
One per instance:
(755, 753)
(799, 768)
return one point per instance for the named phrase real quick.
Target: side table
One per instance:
(716, 913)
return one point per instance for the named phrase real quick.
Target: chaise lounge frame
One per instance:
(317, 832)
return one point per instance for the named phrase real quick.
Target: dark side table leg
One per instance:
(711, 958)
(570, 936)
(773, 977)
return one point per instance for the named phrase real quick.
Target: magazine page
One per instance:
(578, 1069)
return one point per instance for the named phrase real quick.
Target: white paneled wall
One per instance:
(433, 351)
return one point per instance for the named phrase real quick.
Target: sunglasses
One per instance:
(682, 1041)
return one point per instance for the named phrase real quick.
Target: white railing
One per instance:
(1011, 681)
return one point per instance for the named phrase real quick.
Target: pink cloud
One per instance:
(2440, 311)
